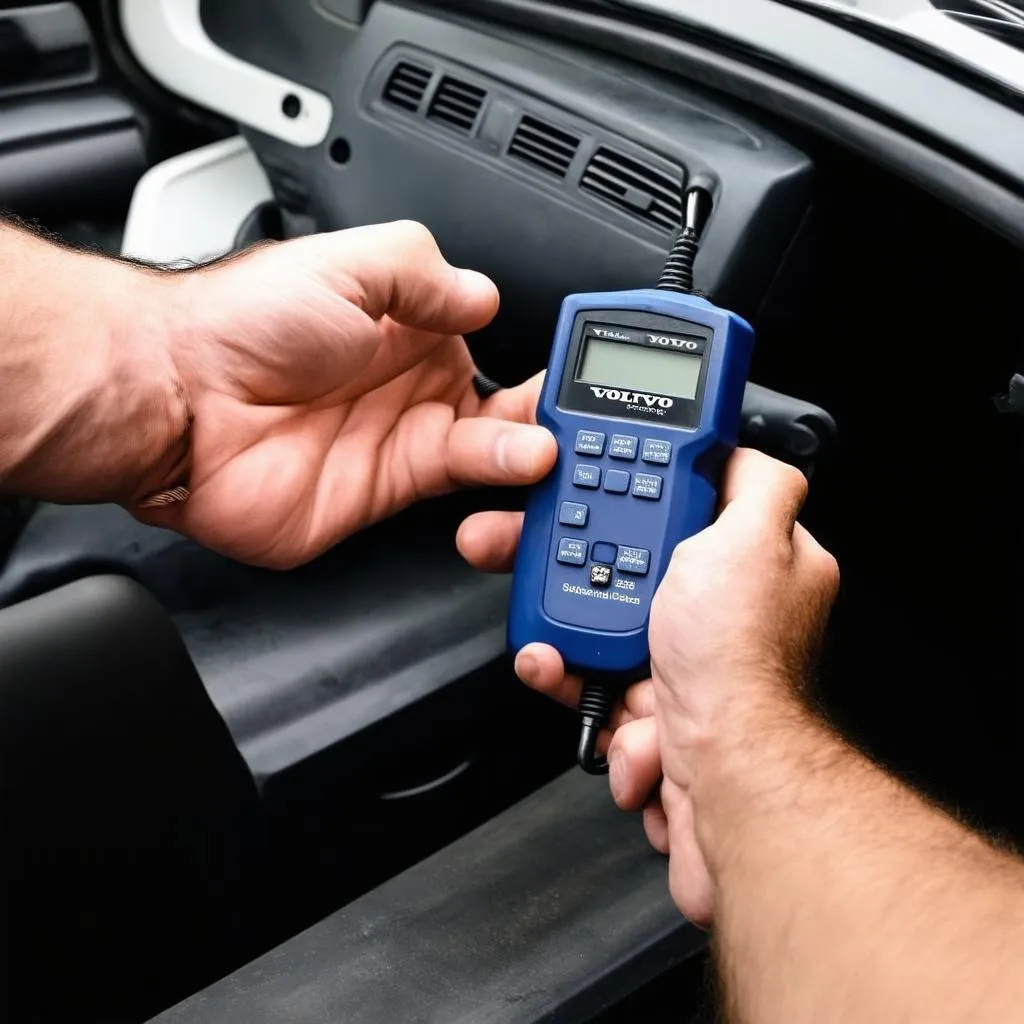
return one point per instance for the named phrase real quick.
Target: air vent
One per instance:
(651, 194)
(456, 104)
(543, 145)
(407, 85)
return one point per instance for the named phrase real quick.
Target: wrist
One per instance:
(97, 410)
(753, 765)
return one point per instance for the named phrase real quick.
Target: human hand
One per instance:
(735, 628)
(331, 387)
(300, 391)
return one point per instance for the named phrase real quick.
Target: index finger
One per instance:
(759, 489)
(397, 269)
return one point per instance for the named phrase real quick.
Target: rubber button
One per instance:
(573, 514)
(647, 485)
(616, 481)
(572, 552)
(590, 442)
(635, 561)
(659, 453)
(623, 447)
(587, 476)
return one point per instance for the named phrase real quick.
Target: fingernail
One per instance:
(518, 452)
(617, 776)
(526, 667)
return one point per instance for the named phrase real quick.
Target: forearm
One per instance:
(91, 409)
(843, 896)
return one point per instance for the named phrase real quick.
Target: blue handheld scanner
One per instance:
(643, 394)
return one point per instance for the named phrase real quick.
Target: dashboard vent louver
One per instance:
(543, 145)
(407, 85)
(649, 193)
(456, 104)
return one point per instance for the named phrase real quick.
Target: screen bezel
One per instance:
(576, 396)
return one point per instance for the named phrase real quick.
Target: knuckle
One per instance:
(684, 552)
(828, 570)
(415, 234)
(795, 482)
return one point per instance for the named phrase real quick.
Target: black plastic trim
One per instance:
(504, 111)
(49, 118)
(553, 911)
(45, 47)
(69, 152)
(963, 152)
(297, 39)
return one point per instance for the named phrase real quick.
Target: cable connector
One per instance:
(596, 708)
(678, 273)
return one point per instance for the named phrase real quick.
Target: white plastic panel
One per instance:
(916, 18)
(189, 208)
(168, 39)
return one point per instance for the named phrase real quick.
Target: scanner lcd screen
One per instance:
(635, 368)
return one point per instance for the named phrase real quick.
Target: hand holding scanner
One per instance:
(643, 394)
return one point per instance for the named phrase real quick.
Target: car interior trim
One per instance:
(169, 41)
(189, 208)
(59, 152)
(988, 187)
(489, 929)
(45, 48)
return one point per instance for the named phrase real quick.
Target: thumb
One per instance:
(484, 451)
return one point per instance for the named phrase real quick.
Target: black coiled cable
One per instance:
(596, 708)
(484, 386)
(678, 273)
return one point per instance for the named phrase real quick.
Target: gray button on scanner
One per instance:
(587, 476)
(623, 447)
(572, 513)
(590, 442)
(572, 552)
(657, 452)
(647, 485)
(636, 561)
(616, 481)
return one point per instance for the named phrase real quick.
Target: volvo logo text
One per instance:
(684, 343)
(633, 398)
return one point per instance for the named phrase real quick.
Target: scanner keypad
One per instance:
(604, 557)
